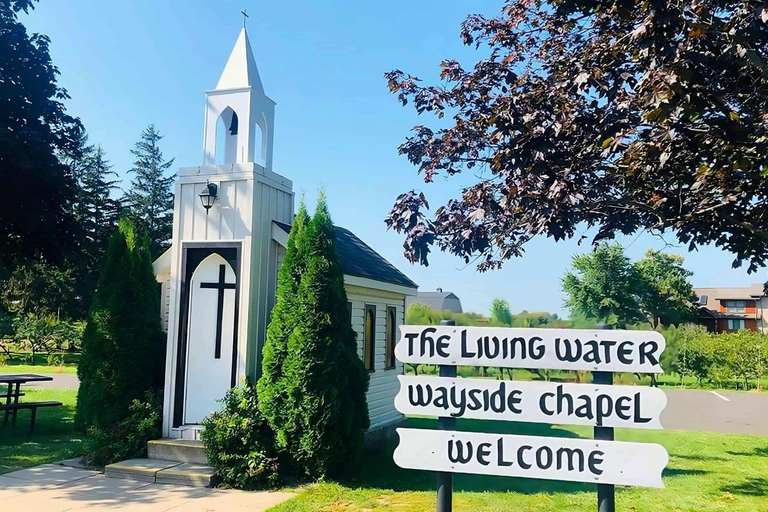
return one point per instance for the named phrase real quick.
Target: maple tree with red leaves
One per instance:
(620, 115)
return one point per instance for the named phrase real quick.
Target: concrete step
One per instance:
(180, 450)
(162, 472)
(193, 475)
(140, 470)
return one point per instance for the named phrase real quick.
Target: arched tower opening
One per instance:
(227, 128)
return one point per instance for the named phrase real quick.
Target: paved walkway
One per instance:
(60, 381)
(55, 488)
(721, 411)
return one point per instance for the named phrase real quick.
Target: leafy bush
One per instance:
(239, 444)
(128, 438)
(742, 355)
(3, 359)
(500, 311)
(695, 353)
(55, 360)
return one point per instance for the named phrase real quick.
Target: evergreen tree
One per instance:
(123, 344)
(325, 411)
(35, 215)
(96, 212)
(271, 385)
(150, 197)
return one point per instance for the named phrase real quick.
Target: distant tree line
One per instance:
(62, 199)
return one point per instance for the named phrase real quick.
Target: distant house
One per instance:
(438, 300)
(732, 309)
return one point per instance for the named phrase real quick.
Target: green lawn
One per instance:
(21, 363)
(54, 438)
(706, 472)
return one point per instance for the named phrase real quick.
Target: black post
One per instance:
(606, 499)
(445, 479)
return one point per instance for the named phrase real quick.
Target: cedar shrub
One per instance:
(325, 413)
(123, 346)
(271, 385)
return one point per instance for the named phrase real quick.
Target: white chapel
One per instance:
(218, 280)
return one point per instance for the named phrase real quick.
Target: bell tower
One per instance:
(239, 116)
(225, 212)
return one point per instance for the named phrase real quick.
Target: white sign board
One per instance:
(536, 402)
(556, 349)
(551, 458)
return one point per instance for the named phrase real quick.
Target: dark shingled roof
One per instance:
(357, 259)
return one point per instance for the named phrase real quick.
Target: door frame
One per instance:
(192, 254)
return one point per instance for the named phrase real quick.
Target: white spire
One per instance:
(241, 70)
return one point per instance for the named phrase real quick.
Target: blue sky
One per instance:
(129, 64)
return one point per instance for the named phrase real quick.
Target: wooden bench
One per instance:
(32, 406)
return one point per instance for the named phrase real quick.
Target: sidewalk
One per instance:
(55, 488)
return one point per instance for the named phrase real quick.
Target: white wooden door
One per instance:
(210, 339)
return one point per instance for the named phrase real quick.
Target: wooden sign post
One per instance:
(600, 404)
(445, 478)
(606, 496)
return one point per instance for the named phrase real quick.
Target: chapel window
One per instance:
(369, 338)
(391, 337)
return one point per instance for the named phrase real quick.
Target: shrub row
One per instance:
(740, 356)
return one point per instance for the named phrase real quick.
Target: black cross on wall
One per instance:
(221, 286)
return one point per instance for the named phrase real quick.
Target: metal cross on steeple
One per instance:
(245, 15)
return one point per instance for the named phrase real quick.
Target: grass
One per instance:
(20, 362)
(706, 473)
(54, 437)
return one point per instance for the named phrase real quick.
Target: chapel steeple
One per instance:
(239, 115)
(241, 70)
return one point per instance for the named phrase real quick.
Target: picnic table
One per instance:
(13, 392)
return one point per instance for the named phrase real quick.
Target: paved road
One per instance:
(687, 409)
(725, 412)
(60, 381)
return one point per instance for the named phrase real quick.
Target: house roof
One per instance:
(436, 300)
(706, 312)
(744, 293)
(436, 295)
(358, 259)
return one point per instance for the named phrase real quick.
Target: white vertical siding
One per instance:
(270, 204)
(222, 222)
(165, 300)
(384, 384)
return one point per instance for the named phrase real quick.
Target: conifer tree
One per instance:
(97, 213)
(271, 385)
(150, 197)
(123, 344)
(325, 411)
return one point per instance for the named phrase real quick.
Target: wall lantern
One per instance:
(208, 196)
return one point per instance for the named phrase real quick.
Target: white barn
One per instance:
(218, 280)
